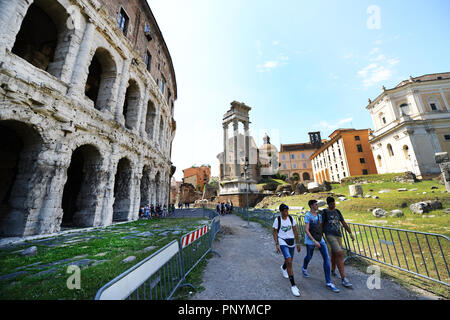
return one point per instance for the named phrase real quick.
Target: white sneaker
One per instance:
(285, 274)
(295, 291)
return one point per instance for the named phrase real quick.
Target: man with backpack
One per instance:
(331, 223)
(284, 234)
(314, 239)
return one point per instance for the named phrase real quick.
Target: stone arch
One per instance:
(131, 104)
(379, 161)
(122, 190)
(150, 120)
(390, 150)
(146, 185)
(20, 147)
(157, 187)
(80, 195)
(405, 152)
(306, 176)
(404, 109)
(101, 79)
(44, 37)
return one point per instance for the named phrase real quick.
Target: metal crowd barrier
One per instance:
(161, 274)
(419, 253)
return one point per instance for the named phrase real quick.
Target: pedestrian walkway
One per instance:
(249, 269)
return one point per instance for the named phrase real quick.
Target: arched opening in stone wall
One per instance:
(379, 160)
(131, 104)
(390, 150)
(150, 119)
(81, 188)
(122, 190)
(20, 146)
(146, 186)
(306, 176)
(101, 78)
(405, 152)
(43, 36)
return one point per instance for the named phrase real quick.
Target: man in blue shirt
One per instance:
(313, 221)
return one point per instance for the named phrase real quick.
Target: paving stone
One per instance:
(28, 266)
(128, 237)
(102, 254)
(129, 259)
(96, 263)
(147, 249)
(84, 262)
(31, 251)
(53, 263)
(80, 257)
(52, 270)
(145, 234)
(12, 275)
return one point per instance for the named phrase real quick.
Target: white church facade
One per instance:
(411, 124)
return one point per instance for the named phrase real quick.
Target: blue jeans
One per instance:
(287, 252)
(326, 260)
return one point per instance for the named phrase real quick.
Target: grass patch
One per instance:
(358, 210)
(106, 244)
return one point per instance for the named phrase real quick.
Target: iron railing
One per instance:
(161, 274)
(419, 253)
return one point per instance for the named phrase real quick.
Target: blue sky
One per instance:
(301, 65)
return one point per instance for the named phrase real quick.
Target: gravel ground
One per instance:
(249, 269)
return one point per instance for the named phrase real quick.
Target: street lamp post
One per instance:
(246, 193)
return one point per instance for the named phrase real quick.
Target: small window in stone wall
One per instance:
(123, 21)
(447, 137)
(148, 61)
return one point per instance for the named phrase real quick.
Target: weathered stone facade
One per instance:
(86, 117)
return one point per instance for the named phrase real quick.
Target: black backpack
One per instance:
(279, 222)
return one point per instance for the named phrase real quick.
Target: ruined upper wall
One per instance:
(140, 15)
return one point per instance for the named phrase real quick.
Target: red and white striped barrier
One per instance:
(194, 235)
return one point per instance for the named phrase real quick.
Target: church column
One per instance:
(247, 141)
(237, 171)
(225, 147)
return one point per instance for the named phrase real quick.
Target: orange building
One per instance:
(347, 153)
(197, 176)
(295, 159)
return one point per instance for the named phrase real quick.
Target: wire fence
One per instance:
(158, 276)
(419, 253)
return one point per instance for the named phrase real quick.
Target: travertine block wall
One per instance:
(120, 167)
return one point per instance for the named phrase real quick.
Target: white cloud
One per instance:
(343, 121)
(348, 56)
(378, 70)
(380, 57)
(273, 64)
(334, 76)
(324, 125)
(374, 50)
(275, 42)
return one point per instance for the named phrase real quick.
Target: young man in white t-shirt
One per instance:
(284, 236)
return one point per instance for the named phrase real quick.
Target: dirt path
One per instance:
(249, 269)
